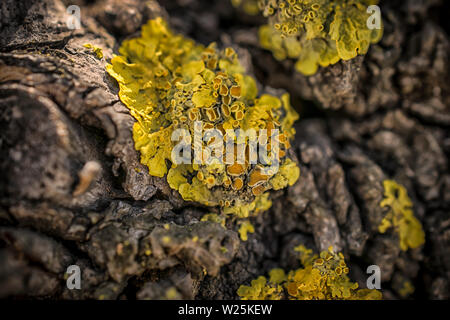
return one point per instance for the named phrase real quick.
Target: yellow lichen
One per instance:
(287, 175)
(244, 210)
(406, 290)
(244, 229)
(306, 255)
(317, 32)
(170, 85)
(97, 50)
(277, 276)
(401, 216)
(172, 294)
(323, 277)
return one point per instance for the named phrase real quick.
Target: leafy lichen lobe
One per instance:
(323, 277)
(400, 216)
(315, 32)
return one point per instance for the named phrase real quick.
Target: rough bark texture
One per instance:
(74, 192)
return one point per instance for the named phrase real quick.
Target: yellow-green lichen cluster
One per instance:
(97, 50)
(250, 7)
(401, 216)
(323, 277)
(261, 289)
(316, 32)
(170, 83)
